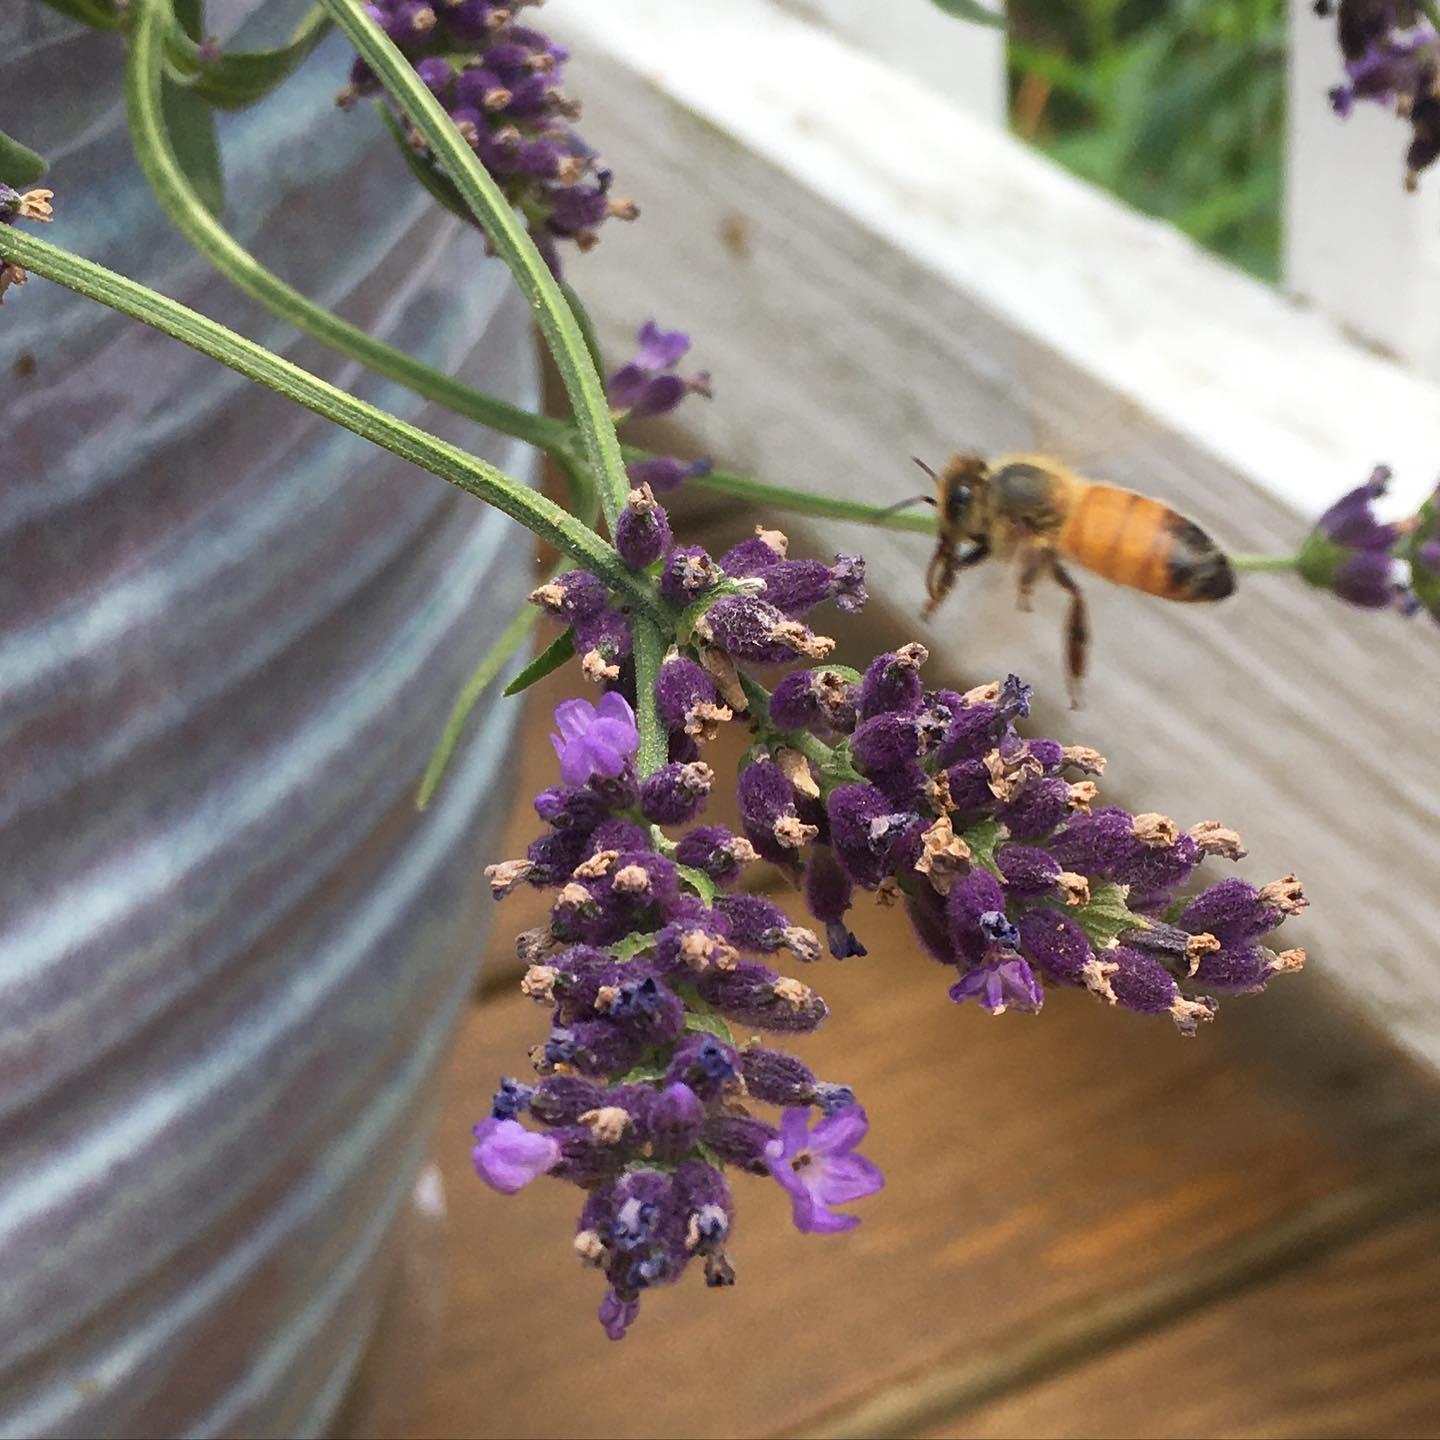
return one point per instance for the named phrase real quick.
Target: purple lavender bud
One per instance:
(647, 385)
(1036, 810)
(1154, 873)
(1029, 873)
(690, 946)
(664, 473)
(755, 995)
(645, 1009)
(968, 782)
(555, 856)
(436, 74)
(1095, 844)
(675, 1120)
(1000, 985)
(688, 574)
(642, 529)
(659, 349)
(686, 697)
(617, 1315)
(1233, 969)
(795, 702)
(602, 641)
(675, 793)
(970, 733)
(892, 682)
(708, 1066)
(594, 739)
(868, 835)
(1238, 914)
(828, 892)
(473, 21)
(508, 1157)
(575, 595)
(751, 629)
(886, 741)
(1368, 579)
(1349, 550)
(511, 1099)
(906, 788)
(740, 1140)
(761, 926)
(713, 850)
(847, 583)
(777, 1078)
(594, 1047)
(1055, 943)
(971, 898)
(796, 586)
(571, 807)
(618, 834)
(1140, 982)
(767, 811)
(709, 1209)
(753, 557)
(563, 1099)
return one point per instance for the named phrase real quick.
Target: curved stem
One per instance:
(510, 639)
(539, 515)
(498, 219)
(654, 741)
(1258, 564)
(178, 199)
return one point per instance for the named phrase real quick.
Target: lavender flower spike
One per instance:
(820, 1169)
(594, 740)
(1349, 550)
(508, 1157)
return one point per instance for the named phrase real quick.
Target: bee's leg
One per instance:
(1077, 630)
(944, 566)
(1034, 560)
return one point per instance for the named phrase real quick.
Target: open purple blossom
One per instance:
(820, 1169)
(649, 384)
(1350, 551)
(500, 82)
(664, 473)
(594, 739)
(508, 1156)
(1391, 59)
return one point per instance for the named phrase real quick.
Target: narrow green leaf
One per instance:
(1107, 916)
(442, 189)
(631, 946)
(190, 122)
(710, 1025)
(699, 882)
(981, 838)
(19, 164)
(551, 658)
(643, 1075)
(587, 326)
(234, 81)
(970, 10)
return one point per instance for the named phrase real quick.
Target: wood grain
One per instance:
(1348, 1347)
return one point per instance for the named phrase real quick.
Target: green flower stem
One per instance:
(498, 219)
(832, 767)
(799, 502)
(541, 516)
(486, 672)
(1258, 564)
(649, 643)
(178, 199)
(1431, 11)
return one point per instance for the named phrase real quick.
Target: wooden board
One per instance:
(1347, 1348)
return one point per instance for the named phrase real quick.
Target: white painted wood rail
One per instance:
(912, 280)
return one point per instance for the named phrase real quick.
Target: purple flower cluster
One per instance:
(15, 205)
(995, 845)
(1351, 552)
(644, 1095)
(500, 83)
(1391, 59)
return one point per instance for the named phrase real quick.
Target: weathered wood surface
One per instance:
(1346, 1348)
(1037, 1170)
(912, 280)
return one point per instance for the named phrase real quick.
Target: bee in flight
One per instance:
(1032, 507)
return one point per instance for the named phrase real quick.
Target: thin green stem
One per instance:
(1431, 11)
(799, 502)
(508, 234)
(649, 653)
(541, 516)
(510, 639)
(178, 199)
(1258, 564)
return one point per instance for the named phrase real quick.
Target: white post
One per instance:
(964, 61)
(1357, 245)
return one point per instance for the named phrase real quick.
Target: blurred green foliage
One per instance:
(1177, 106)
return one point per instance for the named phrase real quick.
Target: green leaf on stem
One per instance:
(710, 1024)
(981, 838)
(190, 122)
(551, 658)
(98, 14)
(971, 10)
(699, 882)
(235, 81)
(1106, 917)
(631, 946)
(19, 164)
(440, 187)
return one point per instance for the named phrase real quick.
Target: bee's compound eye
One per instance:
(958, 502)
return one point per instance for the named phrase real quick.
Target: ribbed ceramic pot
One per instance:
(230, 951)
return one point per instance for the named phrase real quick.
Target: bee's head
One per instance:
(958, 488)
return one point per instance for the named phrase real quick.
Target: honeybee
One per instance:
(1033, 507)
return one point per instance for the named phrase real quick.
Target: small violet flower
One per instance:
(508, 1157)
(1350, 551)
(819, 1168)
(649, 384)
(595, 739)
